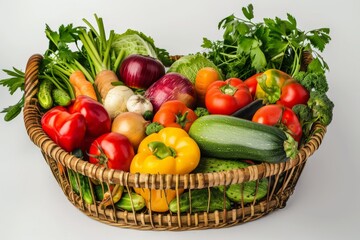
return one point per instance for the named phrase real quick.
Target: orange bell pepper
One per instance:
(170, 151)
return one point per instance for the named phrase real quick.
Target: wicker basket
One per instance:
(282, 176)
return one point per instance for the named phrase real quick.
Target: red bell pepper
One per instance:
(78, 125)
(97, 118)
(66, 129)
(226, 97)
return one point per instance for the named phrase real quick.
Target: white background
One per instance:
(325, 204)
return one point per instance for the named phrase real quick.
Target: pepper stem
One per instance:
(228, 89)
(160, 150)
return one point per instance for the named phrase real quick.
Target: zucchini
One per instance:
(246, 192)
(229, 137)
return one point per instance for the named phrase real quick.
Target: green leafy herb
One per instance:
(15, 82)
(248, 47)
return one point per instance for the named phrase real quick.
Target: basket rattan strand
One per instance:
(283, 178)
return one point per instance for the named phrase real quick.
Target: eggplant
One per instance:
(249, 110)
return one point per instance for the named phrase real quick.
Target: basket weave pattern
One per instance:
(282, 178)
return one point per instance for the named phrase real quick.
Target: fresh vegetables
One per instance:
(270, 83)
(293, 93)
(226, 97)
(280, 116)
(61, 98)
(223, 136)
(66, 129)
(127, 114)
(44, 94)
(248, 47)
(132, 125)
(97, 118)
(189, 65)
(81, 85)
(135, 42)
(249, 110)
(319, 108)
(204, 77)
(252, 83)
(172, 86)
(116, 100)
(175, 114)
(112, 150)
(131, 202)
(240, 193)
(139, 104)
(275, 86)
(313, 81)
(200, 200)
(80, 184)
(170, 151)
(138, 71)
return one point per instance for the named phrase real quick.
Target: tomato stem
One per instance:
(101, 157)
(182, 119)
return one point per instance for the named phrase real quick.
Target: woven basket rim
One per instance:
(32, 117)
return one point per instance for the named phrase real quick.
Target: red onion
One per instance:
(139, 71)
(172, 86)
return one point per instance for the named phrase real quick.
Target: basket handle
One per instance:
(31, 76)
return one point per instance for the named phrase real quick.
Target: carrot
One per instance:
(81, 85)
(204, 77)
(104, 80)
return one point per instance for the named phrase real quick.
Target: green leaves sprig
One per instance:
(248, 47)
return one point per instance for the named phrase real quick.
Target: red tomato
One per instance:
(293, 93)
(112, 150)
(252, 82)
(175, 113)
(97, 118)
(226, 97)
(278, 115)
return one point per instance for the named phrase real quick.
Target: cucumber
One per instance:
(246, 192)
(80, 182)
(138, 202)
(229, 137)
(44, 94)
(61, 97)
(200, 201)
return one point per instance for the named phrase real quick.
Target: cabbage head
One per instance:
(189, 65)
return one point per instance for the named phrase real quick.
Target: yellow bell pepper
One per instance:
(269, 85)
(170, 151)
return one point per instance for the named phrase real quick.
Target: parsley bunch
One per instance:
(248, 47)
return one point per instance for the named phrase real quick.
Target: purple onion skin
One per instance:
(139, 71)
(172, 86)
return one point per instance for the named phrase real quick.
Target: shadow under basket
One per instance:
(281, 180)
